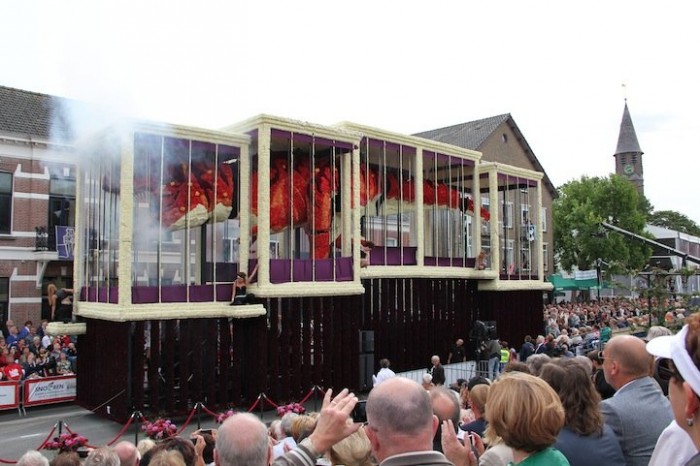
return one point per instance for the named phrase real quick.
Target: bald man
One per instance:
(127, 453)
(639, 411)
(242, 440)
(401, 424)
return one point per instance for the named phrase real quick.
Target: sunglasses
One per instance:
(665, 369)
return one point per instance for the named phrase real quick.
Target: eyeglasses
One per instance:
(601, 356)
(665, 369)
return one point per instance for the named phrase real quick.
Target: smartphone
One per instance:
(205, 431)
(359, 412)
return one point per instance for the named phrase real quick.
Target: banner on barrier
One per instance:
(49, 390)
(9, 395)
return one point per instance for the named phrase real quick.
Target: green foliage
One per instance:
(578, 212)
(674, 221)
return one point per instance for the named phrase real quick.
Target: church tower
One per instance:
(628, 156)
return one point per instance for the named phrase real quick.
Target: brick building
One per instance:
(37, 194)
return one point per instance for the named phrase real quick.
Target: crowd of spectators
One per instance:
(30, 352)
(583, 326)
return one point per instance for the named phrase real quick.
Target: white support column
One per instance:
(126, 209)
(263, 240)
(420, 210)
(493, 227)
(539, 234)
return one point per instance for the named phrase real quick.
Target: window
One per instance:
(61, 206)
(5, 202)
(4, 298)
(545, 256)
(508, 215)
(525, 215)
(544, 219)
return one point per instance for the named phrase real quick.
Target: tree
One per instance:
(674, 221)
(578, 212)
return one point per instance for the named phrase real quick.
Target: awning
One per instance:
(561, 284)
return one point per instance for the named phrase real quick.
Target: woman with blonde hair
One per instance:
(527, 414)
(355, 450)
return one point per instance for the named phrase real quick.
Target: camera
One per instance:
(359, 412)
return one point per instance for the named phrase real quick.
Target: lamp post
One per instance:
(598, 263)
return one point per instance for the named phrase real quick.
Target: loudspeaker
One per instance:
(366, 371)
(366, 341)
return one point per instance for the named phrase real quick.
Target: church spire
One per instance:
(628, 155)
(627, 141)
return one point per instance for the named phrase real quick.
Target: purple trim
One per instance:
(393, 255)
(308, 270)
(450, 262)
(279, 133)
(450, 159)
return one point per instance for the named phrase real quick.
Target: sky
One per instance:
(561, 69)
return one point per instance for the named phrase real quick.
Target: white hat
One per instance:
(673, 347)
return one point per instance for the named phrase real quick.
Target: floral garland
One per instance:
(223, 416)
(66, 442)
(290, 408)
(159, 429)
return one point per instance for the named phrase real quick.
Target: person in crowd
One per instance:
(427, 382)
(536, 361)
(204, 444)
(678, 360)
(354, 450)
(303, 426)
(127, 453)
(401, 425)
(505, 356)
(492, 350)
(33, 458)
(516, 366)
(527, 349)
(445, 405)
(601, 385)
(179, 444)
(167, 458)
(32, 370)
(63, 366)
(526, 413)
(384, 372)
(287, 442)
(144, 446)
(103, 456)
(585, 438)
(477, 403)
(66, 458)
(457, 353)
(437, 371)
(242, 439)
(605, 333)
(639, 411)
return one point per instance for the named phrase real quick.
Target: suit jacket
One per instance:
(637, 413)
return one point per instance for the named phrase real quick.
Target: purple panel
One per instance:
(471, 262)
(343, 269)
(92, 294)
(300, 137)
(252, 263)
(409, 255)
(280, 271)
(114, 295)
(323, 270)
(144, 294)
(301, 270)
(429, 260)
(201, 293)
(103, 294)
(377, 257)
(173, 294)
(224, 291)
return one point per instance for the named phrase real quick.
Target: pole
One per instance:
(598, 262)
(198, 407)
(260, 399)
